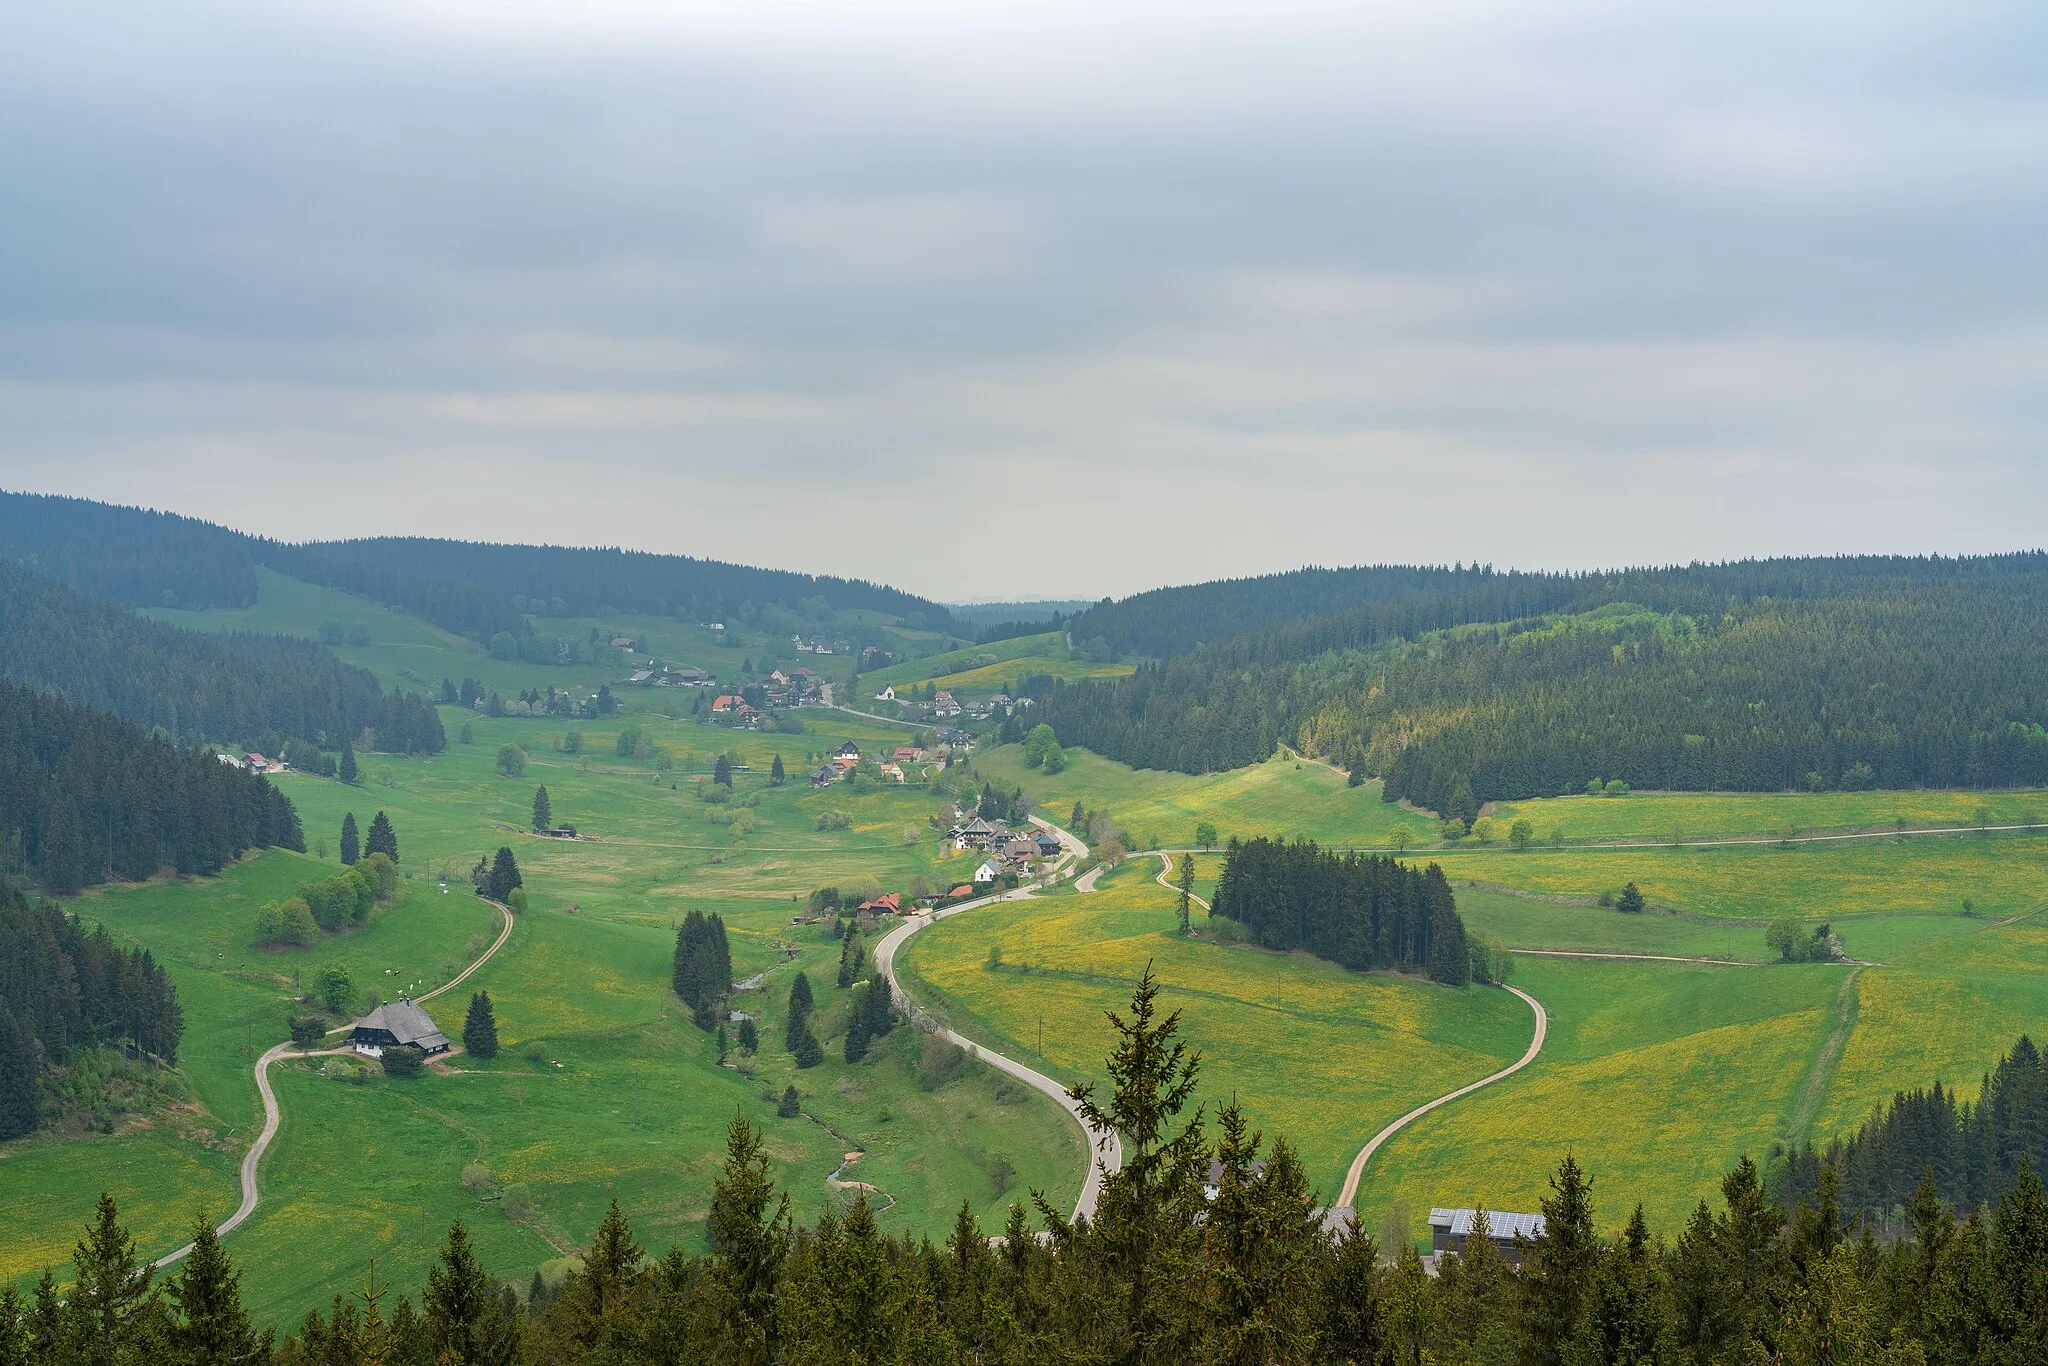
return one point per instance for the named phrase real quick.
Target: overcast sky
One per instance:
(1060, 299)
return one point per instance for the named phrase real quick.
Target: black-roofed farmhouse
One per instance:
(397, 1024)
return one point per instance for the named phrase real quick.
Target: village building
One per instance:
(893, 772)
(1450, 1228)
(889, 904)
(397, 1024)
(887, 694)
(849, 750)
(909, 754)
(1047, 842)
(987, 873)
(622, 642)
(1020, 851)
(826, 775)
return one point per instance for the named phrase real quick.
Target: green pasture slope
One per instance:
(1310, 1050)
(365, 1166)
(956, 671)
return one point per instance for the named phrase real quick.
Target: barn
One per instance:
(397, 1024)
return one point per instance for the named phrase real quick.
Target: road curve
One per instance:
(1166, 866)
(1107, 1157)
(272, 1116)
(1352, 1177)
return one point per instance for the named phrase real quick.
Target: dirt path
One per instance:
(1352, 1177)
(1166, 866)
(1821, 1074)
(1639, 957)
(1107, 1152)
(272, 1116)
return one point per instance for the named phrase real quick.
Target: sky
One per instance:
(994, 300)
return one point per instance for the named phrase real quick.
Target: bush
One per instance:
(382, 875)
(572, 743)
(833, 820)
(516, 899)
(938, 1062)
(476, 1178)
(400, 1061)
(511, 760)
(518, 1203)
(307, 1030)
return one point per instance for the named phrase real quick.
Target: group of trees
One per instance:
(1164, 1273)
(1768, 675)
(195, 686)
(1974, 1152)
(1042, 749)
(86, 797)
(496, 878)
(383, 838)
(332, 904)
(64, 989)
(1013, 808)
(1360, 910)
(797, 1035)
(872, 1017)
(703, 967)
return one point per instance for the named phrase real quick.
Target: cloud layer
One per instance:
(1000, 299)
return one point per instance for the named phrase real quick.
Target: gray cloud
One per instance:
(1024, 299)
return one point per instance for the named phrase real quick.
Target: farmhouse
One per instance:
(889, 904)
(1047, 842)
(397, 1024)
(849, 750)
(826, 775)
(909, 754)
(1449, 1228)
(622, 642)
(727, 702)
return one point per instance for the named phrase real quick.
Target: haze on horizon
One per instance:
(1004, 300)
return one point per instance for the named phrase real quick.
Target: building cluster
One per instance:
(942, 705)
(253, 762)
(1009, 851)
(667, 676)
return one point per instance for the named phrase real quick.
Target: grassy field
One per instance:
(367, 1166)
(1282, 797)
(1048, 645)
(1322, 1055)
(1713, 815)
(1656, 1075)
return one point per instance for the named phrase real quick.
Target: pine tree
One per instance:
(347, 772)
(351, 842)
(597, 1306)
(806, 1049)
(480, 1028)
(857, 1028)
(721, 772)
(1187, 888)
(464, 1321)
(543, 817)
(776, 773)
(382, 839)
(211, 1324)
(1559, 1266)
(1630, 902)
(112, 1289)
(851, 957)
(20, 1067)
(789, 1105)
(504, 875)
(750, 1037)
(749, 1231)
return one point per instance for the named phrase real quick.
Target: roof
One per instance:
(1500, 1224)
(407, 1023)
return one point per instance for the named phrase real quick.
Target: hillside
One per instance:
(1757, 676)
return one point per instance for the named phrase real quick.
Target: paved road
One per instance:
(272, 1116)
(1109, 1155)
(1351, 1178)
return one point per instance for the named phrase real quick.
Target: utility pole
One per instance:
(1041, 1038)
(636, 1098)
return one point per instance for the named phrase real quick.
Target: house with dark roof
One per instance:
(397, 1024)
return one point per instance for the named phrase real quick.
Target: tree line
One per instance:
(1360, 910)
(261, 691)
(86, 797)
(1973, 1151)
(702, 975)
(63, 989)
(1248, 1270)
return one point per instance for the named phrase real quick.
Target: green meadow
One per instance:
(1312, 1051)
(1284, 797)
(367, 1166)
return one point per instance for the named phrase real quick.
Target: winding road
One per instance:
(1352, 1177)
(1108, 1152)
(272, 1116)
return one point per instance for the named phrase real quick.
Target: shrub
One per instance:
(382, 875)
(476, 1178)
(511, 760)
(401, 1061)
(516, 899)
(334, 987)
(833, 820)
(518, 1203)
(938, 1062)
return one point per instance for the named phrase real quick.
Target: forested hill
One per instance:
(86, 797)
(1756, 676)
(583, 582)
(140, 558)
(254, 690)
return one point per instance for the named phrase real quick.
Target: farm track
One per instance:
(273, 1117)
(1110, 1147)
(1814, 1088)
(1352, 1177)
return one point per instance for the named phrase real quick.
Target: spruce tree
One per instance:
(721, 772)
(1630, 902)
(597, 1305)
(347, 773)
(480, 1028)
(351, 842)
(776, 773)
(851, 956)
(1187, 888)
(20, 1068)
(461, 1308)
(543, 817)
(1559, 1267)
(749, 1232)
(112, 1289)
(382, 839)
(504, 875)
(750, 1037)
(211, 1324)
(806, 1049)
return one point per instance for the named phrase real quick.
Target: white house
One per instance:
(987, 873)
(887, 694)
